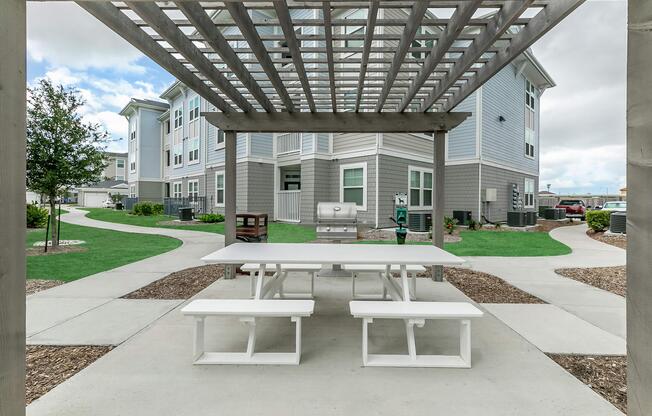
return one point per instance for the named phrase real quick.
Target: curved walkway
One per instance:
(536, 275)
(90, 311)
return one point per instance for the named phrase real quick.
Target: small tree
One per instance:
(62, 150)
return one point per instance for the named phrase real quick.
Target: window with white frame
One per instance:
(119, 177)
(529, 119)
(178, 136)
(219, 138)
(193, 150)
(193, 189)
(219, 188)
(420, 184)
(193, 109)
(120, 163)
(132, 191)
(528, 193)
(132, 150)
(176, 190)
(353, 184)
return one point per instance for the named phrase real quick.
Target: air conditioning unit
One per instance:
(530, 218)
(618, 222)
(516, 219)
(419, 221)
(462, 217)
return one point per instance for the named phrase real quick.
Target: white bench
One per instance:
(385, 276)
(247, 310)
(311, 269)
(416, 313)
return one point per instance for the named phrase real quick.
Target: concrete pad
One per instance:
(110, 324)
(554, 330)
(111, 284)
(152, 373)
(44, 313)
(610, 319)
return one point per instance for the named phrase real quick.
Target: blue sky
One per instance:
(582, 145)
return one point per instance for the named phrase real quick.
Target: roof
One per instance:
(416, 63)
(143, 103)
(546, 193)
(108, 184)
(115, 154)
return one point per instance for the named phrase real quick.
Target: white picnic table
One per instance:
(298, 253)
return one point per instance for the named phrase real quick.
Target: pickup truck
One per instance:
(575, 208)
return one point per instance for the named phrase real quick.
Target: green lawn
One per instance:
(500, 244)
(278, 232)
(106, 250)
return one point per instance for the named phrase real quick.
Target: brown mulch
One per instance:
(49, 366)
(618, 240)
(180, 285)
(484, 287)
(549, 225)
(606, 375)
(613, 279)
(38, 251)
(36, 285)
(173, 222)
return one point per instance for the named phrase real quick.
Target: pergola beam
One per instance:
(369, 34)
(196, 14)
(290, 37)
(501, 22)
(417, 13)
(117, 21)
(327, 122)
(460, 18)
(242, 19)
(163, 25)
(328, 38)
(538, 26)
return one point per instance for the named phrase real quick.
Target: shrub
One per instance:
(474, 225)
(36, 217)
(147, 209)
(211, 218)
(450, 224)
(598, 220)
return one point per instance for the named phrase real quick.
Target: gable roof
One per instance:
(135, 103)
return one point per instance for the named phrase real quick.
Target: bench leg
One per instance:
(252, 283)
(414, 286)
(365, 339)
(297, 340)
(251, 341)
(412, 347)
(198, 344)
(312, 284)
(465, 341)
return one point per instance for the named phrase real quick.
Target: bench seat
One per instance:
(247, 310)
(311, 269)
(381, 271)
(416, 313)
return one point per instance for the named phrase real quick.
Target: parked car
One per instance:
(615, 206)
(575, 208)
(108, 203)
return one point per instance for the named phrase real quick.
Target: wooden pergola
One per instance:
(264, 70)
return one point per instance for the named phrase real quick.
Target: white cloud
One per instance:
(63, 34)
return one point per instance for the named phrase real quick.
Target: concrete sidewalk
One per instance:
(87, 311)
(536, 275)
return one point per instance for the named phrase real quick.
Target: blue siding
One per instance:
(306, 143)
(462, 139)
(262, 144)
(504, 142)
(149, 151)
(323, 142)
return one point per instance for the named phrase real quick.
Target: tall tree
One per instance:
(63, 151)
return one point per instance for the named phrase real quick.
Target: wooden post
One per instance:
(439, 159)
(230, 156)
(12, 206)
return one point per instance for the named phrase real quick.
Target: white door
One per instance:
(94, 199)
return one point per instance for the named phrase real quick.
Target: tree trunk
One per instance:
(53, 220)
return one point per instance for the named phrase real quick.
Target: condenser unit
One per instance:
(419, 221)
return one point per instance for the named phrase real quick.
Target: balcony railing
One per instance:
(288, 206)
(288, 143)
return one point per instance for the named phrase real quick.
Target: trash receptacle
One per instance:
(401, 233)
(185, 214)
(119, 206)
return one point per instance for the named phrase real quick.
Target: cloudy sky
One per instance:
(582, 118)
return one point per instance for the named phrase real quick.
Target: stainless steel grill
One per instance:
(337, 220)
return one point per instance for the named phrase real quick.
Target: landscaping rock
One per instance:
(612, 279)
(36, 285)
(617, 240)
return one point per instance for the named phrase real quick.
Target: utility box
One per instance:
(490, 195)
(419, 221)
(516, 218)
(185, 214)
(530, 218)
(462, 217)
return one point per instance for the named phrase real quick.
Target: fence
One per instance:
(197, 203)
(289, 205)
(288, 142)
(129, 203)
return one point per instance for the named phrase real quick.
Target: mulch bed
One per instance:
(36, 285)
(484, 287)
(173, 222)
(38, 251)
(183, 284)
(618, 240)
(606, 375)
(549, 225)
(613, 279)
(49, 366)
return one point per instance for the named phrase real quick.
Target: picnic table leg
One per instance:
(405, 283)
(251, 341)
(280, 286)
(412, 348)
(259, 282)
(198, 345)
(365, 339)
(297, 340)
(252, 283)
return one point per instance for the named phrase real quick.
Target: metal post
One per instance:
(639, 223)
(439, 159)
(12, 206)
(230, 138)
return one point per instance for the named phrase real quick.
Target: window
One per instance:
(193, 189)
(193, 150)
(422, 44)
(220, 136)
(119, 177)
(178, 137)
(132, 150)
(167, 127)
(193, 109)
(528, 191)
(353, 181)
(219, 189)
(420, 184)
(167, 158)
(529, 119)
(167, 190)
(355, 30)
(178, 118)
(176, 190)
(120, 163)
(132, 191)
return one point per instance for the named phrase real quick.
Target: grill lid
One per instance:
(337, 212)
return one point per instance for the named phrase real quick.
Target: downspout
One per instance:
(478, 106)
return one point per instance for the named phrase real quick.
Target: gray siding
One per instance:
(349, 142)
(462, 189)
(260, 179)
(408, 143)
(462, 139)
(149, 190)
(315, 187)
(241, 191)
(323, 140)
(149, 150)
(493, 177)
(306, 142)
(262, 144)
(368, 216)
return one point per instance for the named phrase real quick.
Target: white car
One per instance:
(108, 203)
(615, 206)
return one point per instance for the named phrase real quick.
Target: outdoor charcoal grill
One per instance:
(337, 220)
